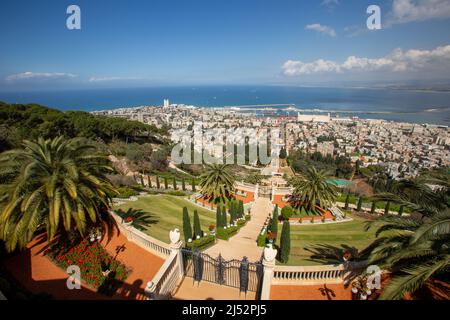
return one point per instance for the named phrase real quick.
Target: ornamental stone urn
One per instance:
(270, 253)
(174, 236)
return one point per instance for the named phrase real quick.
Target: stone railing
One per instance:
(282, 190)
(166, 280)
(150, 244)
(245, 186)
(308, 275)
(171, 273)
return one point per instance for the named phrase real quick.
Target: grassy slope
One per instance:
(166, 211)
(348, 233)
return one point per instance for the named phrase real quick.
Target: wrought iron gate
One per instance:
(244, 275)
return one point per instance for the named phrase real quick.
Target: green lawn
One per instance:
(166, 214)
(347, 233)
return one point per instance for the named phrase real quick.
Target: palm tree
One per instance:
(217, 183)
(313, 188)
(54, 186)
(414, 250)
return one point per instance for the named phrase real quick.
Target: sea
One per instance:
(432, 107)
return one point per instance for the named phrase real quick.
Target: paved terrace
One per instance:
(244, 243)
(38, 274)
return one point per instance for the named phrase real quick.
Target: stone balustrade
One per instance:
(166, 280)
(310, 275)
(145, 241)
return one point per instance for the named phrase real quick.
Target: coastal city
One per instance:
(402, 148)
(225, 159)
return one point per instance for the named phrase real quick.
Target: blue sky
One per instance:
(167, 42)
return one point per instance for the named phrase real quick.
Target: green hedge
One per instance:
(202, 243)
(379, 204)
(262, 240)
(126, 192)
(226, 234)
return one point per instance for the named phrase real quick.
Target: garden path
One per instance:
(244, 243)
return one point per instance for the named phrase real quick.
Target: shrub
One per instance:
(262, 240)
(202, 243)
(187, 229)
(176, 193)
(226, 234)
(285, 242)
(287, 213)
(126, 192)
(166, 183)
(158, 184)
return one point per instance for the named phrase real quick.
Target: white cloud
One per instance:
(106, 79)
(404, 11)
(295, 68)
(330, 3)
(437, 59)
(322, 29)
(39, 76)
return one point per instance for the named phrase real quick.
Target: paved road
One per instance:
(244, 243)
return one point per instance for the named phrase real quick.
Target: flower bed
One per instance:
(92, 259)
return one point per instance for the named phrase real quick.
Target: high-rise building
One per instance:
(166, 103)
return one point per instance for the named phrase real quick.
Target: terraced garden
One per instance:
(307, 236)
(165, 213)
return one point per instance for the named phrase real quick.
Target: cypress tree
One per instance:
(183, 184)
(232, 212)
(241, 209)
(158, 185)
(142, 180)
(274, 224)
(347, 201)
(374, 206)
(166, 183)
(387, 208)
(285, 242)
(218, 218)
(197, 227)
(149, 182)
(187, 229)
(224, 217)
(360, 201)
(400, 211)
(193, 185)
(174, 183)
